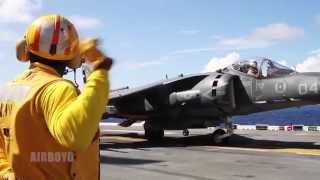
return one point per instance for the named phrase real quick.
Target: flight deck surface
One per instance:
(250, 155)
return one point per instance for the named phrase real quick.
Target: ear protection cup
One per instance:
(22, 52)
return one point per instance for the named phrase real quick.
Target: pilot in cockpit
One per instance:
(252, 69)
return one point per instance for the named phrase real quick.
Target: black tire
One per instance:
(216, 137)
(153, 135)
(226, 140)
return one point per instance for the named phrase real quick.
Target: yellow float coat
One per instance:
(49, 130)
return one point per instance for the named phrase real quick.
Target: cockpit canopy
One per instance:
(261, 68)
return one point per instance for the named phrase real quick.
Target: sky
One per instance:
(151, 39)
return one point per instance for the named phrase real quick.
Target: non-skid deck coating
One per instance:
(250, 155)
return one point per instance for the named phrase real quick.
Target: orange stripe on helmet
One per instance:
(36, 42)
(67, 50)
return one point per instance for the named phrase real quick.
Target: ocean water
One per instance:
(306, 115)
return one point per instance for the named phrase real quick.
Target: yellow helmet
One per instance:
(52, 37)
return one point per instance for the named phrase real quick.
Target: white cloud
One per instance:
(15, 11)
(264, 36)
(189, 32)
(216, 63)
(84, 22)
(310, 64)
(316, 51)
(261, 37)
(12, 11)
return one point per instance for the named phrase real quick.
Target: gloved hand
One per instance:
(93, 56)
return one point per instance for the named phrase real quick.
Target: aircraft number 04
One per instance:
(304, 88)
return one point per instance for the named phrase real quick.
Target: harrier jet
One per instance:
(210, 99)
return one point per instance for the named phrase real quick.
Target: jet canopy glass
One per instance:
(261, 67)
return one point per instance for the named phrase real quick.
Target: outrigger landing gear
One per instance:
(222, 135)
(185, 132)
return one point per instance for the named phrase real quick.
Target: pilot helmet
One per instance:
(253, 64)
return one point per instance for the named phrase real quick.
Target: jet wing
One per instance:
(125, 93)
(150, 98)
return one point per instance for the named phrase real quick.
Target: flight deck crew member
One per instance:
(49, 131)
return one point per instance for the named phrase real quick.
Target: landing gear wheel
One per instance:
(218, 137)
(153, 135)
(226, 140)
(185, 132)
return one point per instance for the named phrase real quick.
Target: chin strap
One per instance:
(74, 70)
(66, 71)
(84, 76)
(86, 71)
(75, 77)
